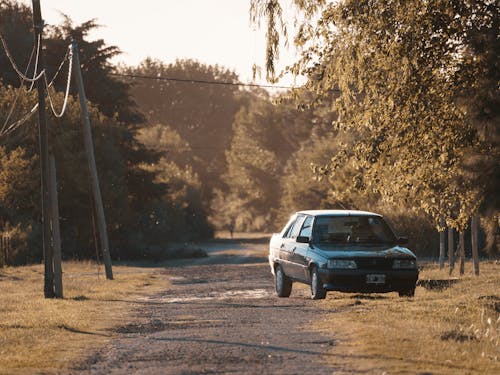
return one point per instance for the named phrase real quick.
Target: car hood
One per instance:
(361, 251)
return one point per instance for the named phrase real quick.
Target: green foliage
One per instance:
(18, 192)
(201, 114)
(265, 135)
(165, 210)
(111, 95)
(184, 217)
(16, 23)
(401, 69)
(144, 206)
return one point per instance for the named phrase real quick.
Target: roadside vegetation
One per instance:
(447, 329)
(39, 334)
(403, 122)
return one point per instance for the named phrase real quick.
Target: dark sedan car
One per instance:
(347, 251)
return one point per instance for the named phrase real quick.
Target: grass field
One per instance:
(454, 330)
(39, 335)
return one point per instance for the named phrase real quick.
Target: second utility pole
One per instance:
(44, 157)
(87, 134)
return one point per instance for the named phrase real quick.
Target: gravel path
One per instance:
(219, 317)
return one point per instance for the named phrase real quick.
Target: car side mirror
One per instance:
(303, 239)
(402, 240)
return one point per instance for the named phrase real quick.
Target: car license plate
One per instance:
(375, 279)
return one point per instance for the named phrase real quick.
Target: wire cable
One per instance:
(187, 80)
(68, 84)
(36, 61)
(18, 93)
(19, 122)
(8, 129)
(19, 73)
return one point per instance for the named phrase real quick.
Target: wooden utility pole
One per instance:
(475, 250)
(44, 157)
(89, 147)
(56, 234)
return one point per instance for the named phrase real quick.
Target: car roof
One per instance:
(337, 213)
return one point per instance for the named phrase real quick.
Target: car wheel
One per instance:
(283, 283)
(317, 290)
(407, 292)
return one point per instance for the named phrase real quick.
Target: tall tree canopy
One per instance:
(402, 68)
(144, 206)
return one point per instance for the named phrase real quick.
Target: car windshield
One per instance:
(351, 229)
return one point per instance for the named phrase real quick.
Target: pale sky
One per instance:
(210, 31)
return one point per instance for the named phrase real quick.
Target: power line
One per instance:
(187, 80)
(68, 83)
(18, 95)
(14, 66)
(19, 122)
(35, 69)
(10, 128)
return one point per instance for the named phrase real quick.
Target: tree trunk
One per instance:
(475, 250)
(461, 246)
(451, 245)
(442, 246)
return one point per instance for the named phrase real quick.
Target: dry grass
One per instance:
(40, 335)
(448, 331)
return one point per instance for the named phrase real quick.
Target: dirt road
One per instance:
(219, 317)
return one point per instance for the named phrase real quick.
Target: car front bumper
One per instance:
(368, 281)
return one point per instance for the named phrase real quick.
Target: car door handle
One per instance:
(282, 246)
(293, 250)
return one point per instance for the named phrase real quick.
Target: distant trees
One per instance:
(144, 206)
(200, 113)
(402, 69)
(399, 116)
(265, 136)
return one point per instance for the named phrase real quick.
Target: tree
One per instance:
(200, 113)
(111, 95)
(16, 24)
(397, 66)
(18, 192)
(265, 135)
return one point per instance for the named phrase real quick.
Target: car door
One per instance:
(288, 248)
(299, 254)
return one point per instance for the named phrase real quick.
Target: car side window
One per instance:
(296, 227)
(288, 230)
(306, 227)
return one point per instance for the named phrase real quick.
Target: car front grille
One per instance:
(374, 263)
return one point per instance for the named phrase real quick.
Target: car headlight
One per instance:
(342, 264)
(404, 264)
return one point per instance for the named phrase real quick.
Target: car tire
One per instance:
(282, 282)
(407, 292)
(317, 290)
